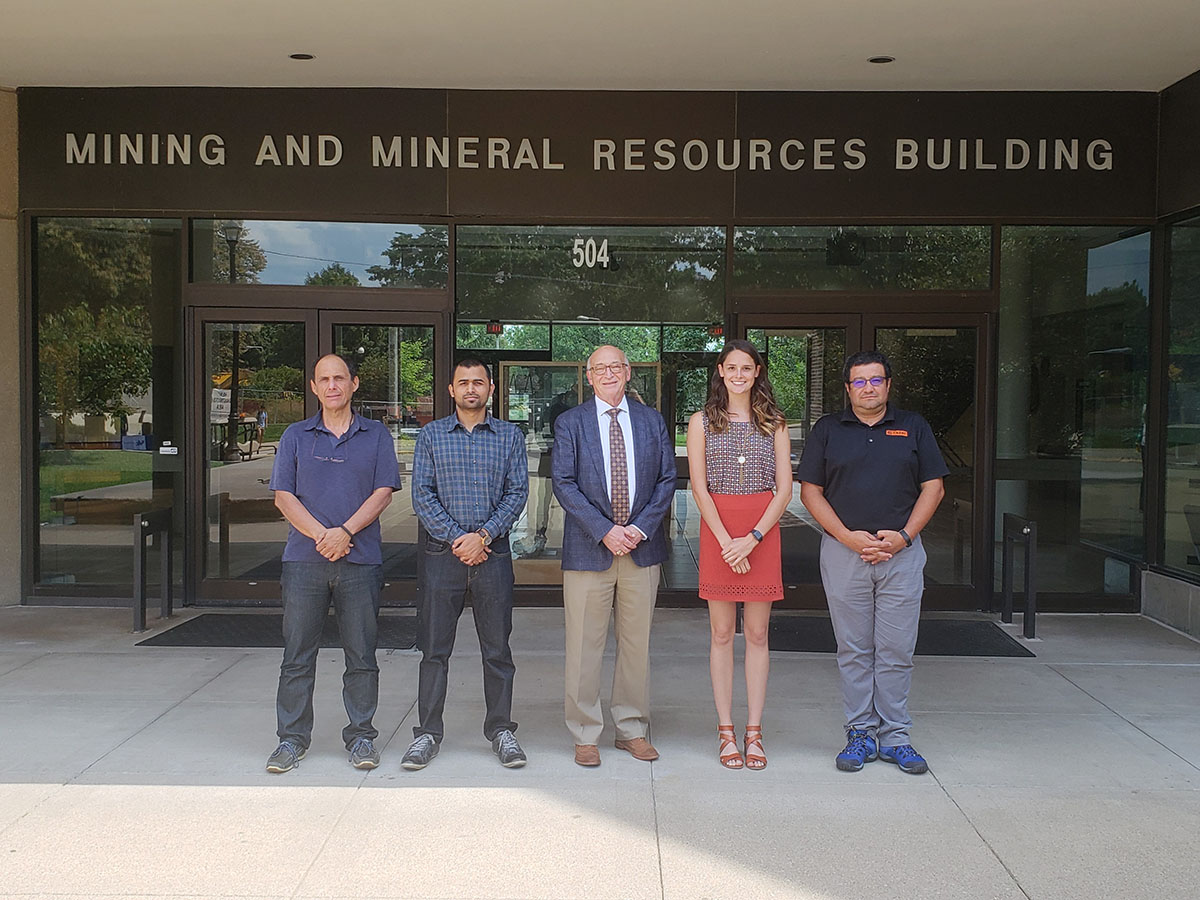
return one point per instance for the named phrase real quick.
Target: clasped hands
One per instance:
(875, 548)
(736, 552)
(470, 548)
(333, 543)
(622, 539)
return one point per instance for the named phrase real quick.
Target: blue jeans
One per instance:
(446, 584)
(308, 589)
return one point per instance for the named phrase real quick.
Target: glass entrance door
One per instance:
(394, 356)
(531, 396)
(936, 368)
(250, 380)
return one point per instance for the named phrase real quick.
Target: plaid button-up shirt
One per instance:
(466, 480)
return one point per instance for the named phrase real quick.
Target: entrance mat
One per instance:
(266, 630)
(936, 637)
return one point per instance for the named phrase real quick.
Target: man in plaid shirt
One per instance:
(470, 481)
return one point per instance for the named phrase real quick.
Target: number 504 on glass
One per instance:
(587, 254)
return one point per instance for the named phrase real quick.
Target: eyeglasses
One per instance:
(601, 368)
(860, 383)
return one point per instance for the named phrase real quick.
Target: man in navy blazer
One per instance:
(614, 475)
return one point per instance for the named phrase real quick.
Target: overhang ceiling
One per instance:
(605, 44)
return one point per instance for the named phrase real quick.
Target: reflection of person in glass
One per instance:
(871, 476)
(333, 476)
(739, 464)
(614, 475)
(470, 481)
(559, 403)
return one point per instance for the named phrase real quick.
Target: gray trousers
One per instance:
(875, 611)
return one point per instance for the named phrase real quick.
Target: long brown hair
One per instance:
(764, 411)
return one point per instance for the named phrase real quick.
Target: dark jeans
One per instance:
(445, 587)
(308, 589)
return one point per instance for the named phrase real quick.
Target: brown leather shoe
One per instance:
(639, 748)
(587, 755)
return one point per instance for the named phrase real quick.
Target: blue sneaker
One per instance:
(860, 749)
(908, 759)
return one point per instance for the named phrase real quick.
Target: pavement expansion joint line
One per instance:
(1131, 724)
(992, 850)
(20, 666)
(74, 778)
(328, 837)
(662, 885)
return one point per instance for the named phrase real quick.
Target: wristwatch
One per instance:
(756, 534)
(485, 537)
(907, 539)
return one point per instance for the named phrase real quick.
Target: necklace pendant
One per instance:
(741, 460)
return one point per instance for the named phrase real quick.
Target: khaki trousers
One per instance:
(626, 592)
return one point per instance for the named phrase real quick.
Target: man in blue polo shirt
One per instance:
(470, 481)
(334, 474)
(872, 478)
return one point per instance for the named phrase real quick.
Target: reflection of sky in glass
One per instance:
(1114, 264)
(295, 250)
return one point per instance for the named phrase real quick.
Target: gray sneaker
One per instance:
(505, 746)
(363, 754)
(285, 758)
(420, 752)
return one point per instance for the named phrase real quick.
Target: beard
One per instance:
(471, 403)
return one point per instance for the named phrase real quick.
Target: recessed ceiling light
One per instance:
(882, 60)
(301, 56)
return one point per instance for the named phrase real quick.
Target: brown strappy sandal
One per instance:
(728, 738)
(755, 761)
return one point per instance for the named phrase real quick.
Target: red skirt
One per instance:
(764, 581)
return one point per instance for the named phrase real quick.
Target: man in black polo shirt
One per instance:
(872, 477)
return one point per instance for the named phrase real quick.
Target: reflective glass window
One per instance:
(862, 257)
(612, 274)
(332, 254)
(1182, 523)
(1072, 380)
(106, 306)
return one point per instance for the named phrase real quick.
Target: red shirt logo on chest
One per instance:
(896, 432)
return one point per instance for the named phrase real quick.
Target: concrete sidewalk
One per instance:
(137, 772)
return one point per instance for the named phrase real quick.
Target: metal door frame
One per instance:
(860, 325)
(318, 340)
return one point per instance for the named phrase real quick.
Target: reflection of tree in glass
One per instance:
(935, 376)
(474, 336)
(333, 275)
(1088, 354)
(527, 273)
(787, 367)
(94, 334)
(415, 260)
(1183, 371)
(408, 358)
(903, 257)
(248, 255)
(88, 363)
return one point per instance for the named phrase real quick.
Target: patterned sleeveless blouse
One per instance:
(721, 454)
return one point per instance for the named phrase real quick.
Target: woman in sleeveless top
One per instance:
(739, 461)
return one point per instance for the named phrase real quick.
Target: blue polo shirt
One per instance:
(872, 474)
(333, 477)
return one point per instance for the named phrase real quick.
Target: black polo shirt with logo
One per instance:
(872, 474)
